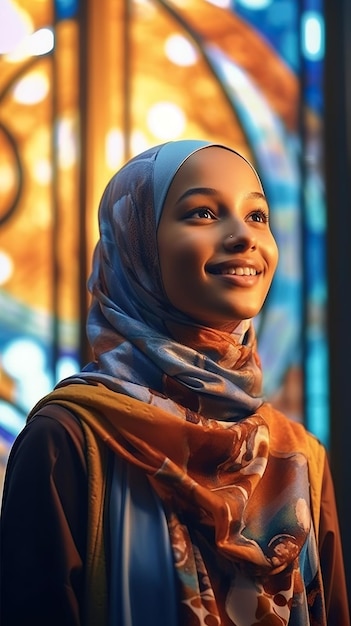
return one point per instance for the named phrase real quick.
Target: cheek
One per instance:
(170, 261)
(275, 256)
(181, 252)
(180, 271)
(272, 254)
(176, 264)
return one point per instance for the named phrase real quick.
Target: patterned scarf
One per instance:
(231, 473)
(236, 497)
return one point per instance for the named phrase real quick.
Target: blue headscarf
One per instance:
(134, 331)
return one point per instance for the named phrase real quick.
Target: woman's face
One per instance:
(217, 253)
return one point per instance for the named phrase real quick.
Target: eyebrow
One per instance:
(256, 195)
(209, 191)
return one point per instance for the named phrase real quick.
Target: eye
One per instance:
(203, 213)
(261, 216)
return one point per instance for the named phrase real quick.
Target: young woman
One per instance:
(157, 487)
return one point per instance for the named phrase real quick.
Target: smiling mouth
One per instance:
(234, 271)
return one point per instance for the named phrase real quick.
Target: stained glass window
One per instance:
(84, 86)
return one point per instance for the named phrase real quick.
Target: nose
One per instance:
(241, 238)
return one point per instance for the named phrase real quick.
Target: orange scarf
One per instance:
(245, 483)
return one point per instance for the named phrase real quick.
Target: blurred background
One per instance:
(85, 85)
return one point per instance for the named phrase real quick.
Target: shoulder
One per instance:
(52, 435)
(287, 435)
(57, 421)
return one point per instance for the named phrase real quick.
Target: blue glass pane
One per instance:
(66, 9)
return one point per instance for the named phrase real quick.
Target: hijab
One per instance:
(142, 345)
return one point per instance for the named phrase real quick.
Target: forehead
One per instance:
(216, 168)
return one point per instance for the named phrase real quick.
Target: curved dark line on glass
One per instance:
(21, 71)
(11, 209)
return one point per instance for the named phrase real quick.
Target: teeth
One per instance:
(240, 271)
